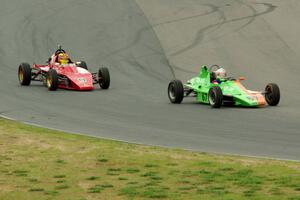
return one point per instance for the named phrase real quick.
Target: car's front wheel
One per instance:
(103, 77)
(215, 97)
(175, 91)
(24, 74)
(272, 94)
(52, 80)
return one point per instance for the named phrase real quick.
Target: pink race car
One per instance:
(61, 72)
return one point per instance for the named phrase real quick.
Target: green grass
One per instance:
(59, 176)
(38, 164)
(92, 178)
(36, 190)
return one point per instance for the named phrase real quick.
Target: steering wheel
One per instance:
(211, 69)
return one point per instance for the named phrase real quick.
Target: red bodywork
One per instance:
(70, 75)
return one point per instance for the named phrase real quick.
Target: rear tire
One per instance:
(215, 97)
(52, 80)
(24, 74)
(82, 64)
(272, 94)
(104, 78)
(175, 91)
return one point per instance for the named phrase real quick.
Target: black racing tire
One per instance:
(103, 78)
(82, 64)
(24, 74)
(52, 80)
(272, 94)
(215, 97)
(176, 91)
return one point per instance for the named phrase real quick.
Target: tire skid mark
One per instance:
(144, 70)
(150, 27)
(29, 24)
(251, 17)
(269, 8)
(139, 34)
(272, 7)
(287, 59)
(199, 37)
(183, 70)
(137, 38)
(212, 7)
(202, 31)
(134, 61)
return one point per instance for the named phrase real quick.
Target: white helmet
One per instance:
(221, 73)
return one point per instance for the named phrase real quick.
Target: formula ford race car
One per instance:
(69, 75)
(208, 88)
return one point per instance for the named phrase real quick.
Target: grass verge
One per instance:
(38, 163)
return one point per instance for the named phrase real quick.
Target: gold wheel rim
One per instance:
(21, 75)
(49, 82)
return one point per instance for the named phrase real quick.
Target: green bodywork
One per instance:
(233, 92)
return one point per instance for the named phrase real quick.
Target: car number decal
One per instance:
(82, 80)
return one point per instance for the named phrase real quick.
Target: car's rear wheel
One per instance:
(103, 77)
(215, 97)
(82, 64)
(175, 91)
(52, 80)
(272, 94)
(24, 74)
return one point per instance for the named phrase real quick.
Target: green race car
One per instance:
(213, 87)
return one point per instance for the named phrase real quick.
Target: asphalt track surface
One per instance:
(145, 44)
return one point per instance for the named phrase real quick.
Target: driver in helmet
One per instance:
(219, 75)
(63, 58)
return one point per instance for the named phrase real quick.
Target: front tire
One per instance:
(176, 91)
(52, 80)
(215, 97)
(272, 94)
(104, 78)
(24, 74)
